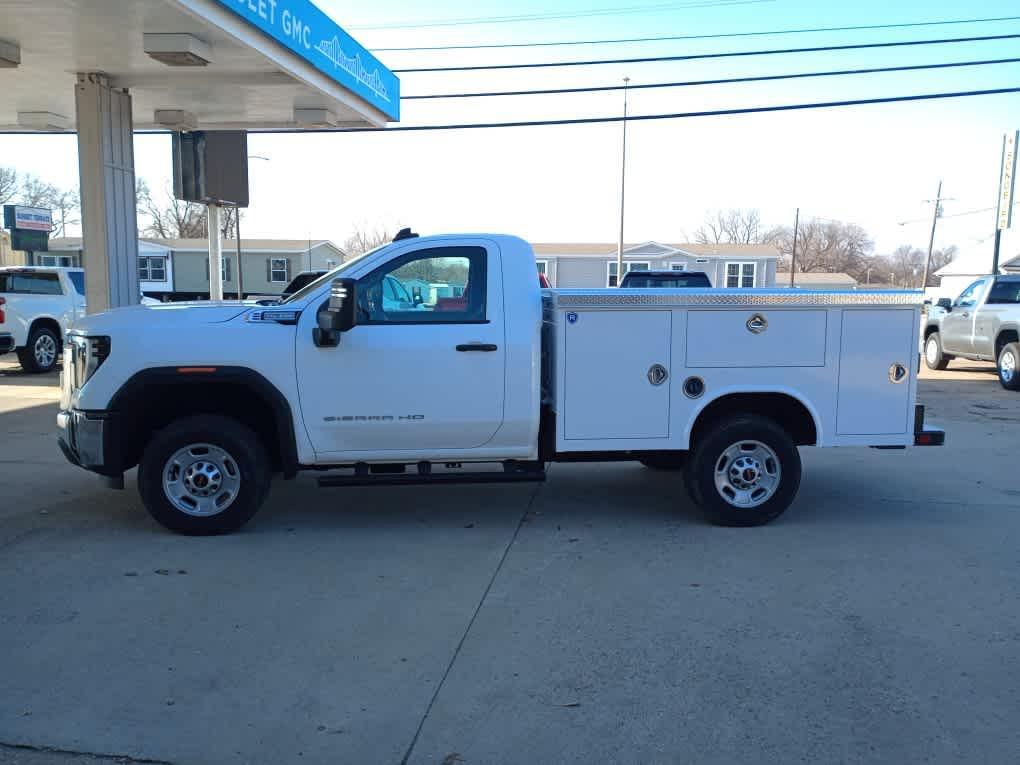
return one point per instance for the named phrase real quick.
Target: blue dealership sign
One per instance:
(311, 34)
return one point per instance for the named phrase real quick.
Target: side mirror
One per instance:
(945, 304)
(339, 315)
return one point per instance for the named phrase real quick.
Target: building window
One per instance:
(741, 275)
(631, 265)
(152, 269)
(279, 270)
(678, 266)
(56, 261)
(225, 269)
(543, 266)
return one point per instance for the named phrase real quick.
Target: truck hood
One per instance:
(163, 315)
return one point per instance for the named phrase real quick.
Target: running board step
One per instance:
(411, 479)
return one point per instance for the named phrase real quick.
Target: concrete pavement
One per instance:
(594, 618)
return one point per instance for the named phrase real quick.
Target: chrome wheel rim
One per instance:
(201, 480)
(1007, 366)
(747, 474)
(45, 350)
(931, 352)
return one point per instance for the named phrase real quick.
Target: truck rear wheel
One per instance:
(204, 475)
(744, 471)
(1009, 366)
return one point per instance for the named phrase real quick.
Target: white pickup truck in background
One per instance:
(37, 305)
(485, 368)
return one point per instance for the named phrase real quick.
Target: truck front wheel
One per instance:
(204, 475)
(744, 471)
(1009, 366)
(934, 356)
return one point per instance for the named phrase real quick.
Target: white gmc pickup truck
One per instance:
(481, 367)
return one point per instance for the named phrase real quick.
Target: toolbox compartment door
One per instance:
(609, 391)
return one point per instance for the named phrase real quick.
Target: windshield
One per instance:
(305, 291)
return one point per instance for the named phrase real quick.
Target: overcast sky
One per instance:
(873, 165)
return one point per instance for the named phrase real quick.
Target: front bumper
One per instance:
(6, 342)
(87, 439)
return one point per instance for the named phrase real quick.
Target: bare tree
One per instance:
(905, 266)
(827, 245)
(66, 207)
(365, 238)
(167, 217)
(9, 184)
(228, 221)
(731, 227)
(35, 192)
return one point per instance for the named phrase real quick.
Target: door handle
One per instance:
(965, 315)
(477, 348)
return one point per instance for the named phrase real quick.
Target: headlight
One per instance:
(88, 354)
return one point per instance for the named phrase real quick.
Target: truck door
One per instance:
(1001, 303)
(423, 370)
(958, 325)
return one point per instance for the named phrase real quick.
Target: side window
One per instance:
(969, 296)
(1004, 293)
(34, 284)
(444, 285)
(78, 280)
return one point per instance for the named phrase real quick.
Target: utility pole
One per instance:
(237, 232)
(793, 257)
(215, 254)
(623, 188)
(931, 242)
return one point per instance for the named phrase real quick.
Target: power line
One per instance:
(955, 215)
(721, 81)
(669, 38)
(649, 117)
(559, 15)
(700, 56)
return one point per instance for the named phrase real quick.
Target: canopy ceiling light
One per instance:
(315, 118)
(177, 49)
(175, 119)
(43, 121)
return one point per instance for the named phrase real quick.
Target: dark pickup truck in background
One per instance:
(666, 280)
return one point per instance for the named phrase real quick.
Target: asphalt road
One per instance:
(592, 619)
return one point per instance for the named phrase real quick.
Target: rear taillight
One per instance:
(3, 316)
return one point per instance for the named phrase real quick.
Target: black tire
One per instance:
(670, 461)
(1008, 366)
(934, 356)
(245, 462)
(738, 432)
(41, 352)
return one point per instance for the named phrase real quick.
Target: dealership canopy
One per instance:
(211, 64)
(105, 69)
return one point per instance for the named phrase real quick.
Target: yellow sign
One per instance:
(1007, 180)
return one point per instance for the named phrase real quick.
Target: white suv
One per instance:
(37, 306)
